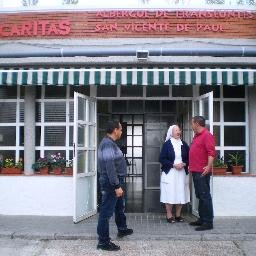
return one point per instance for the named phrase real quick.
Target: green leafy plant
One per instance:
(41, 163)
(19, 164)
(235, 159)
(219, 162)
(9, 163)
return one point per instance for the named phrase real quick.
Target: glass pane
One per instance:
(137, 166)
(106, 91)
(38, 135)
(7, 154)
(81, 158)
(196, 108)
(103, 119)
(91, 136)
(8, 136)
(55, 152)
(205, 109)
(21, 136)
(216, 132)
(38, 111)
(234, 135)
(55, 135)
(209, 88)
(137, 152)
(153, 119)
(81, 109)
(55, 112)
(137, 140)
(129, 151)
(169, 106)
(119, 106)
(127, 119)
(85, 90)
(8, 92)
(152, 106)
(22, 112)
(129, 130)
(71, 128)
(234, 112)
(131, 91)
(138, 119)
(92, 111)
(216, 111)
(7, 112)
(153, 175)
(129, 141)
(102, 106)
(71, 111)
(137, 130)
(157, 91)
(182, 91)
(135, 106)
(55, 92)
(233, 91)
(91, 161)
(152, 154)
(81, 135)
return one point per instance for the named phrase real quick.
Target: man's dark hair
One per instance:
(111, 126)
(199, 120)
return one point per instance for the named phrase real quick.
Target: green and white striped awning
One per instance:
(128, 76)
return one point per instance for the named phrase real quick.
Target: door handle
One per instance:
(74, 149)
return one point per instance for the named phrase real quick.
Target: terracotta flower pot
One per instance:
(11, 170)
(44, 171)
(236, 169)
(219, 170)
(69, 171)
(57, 171)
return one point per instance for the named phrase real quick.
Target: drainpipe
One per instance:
(72, 52)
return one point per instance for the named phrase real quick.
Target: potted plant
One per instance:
(236, 161)
(219, 167)
(41, 165)
(12, 167)
(69, 167)
(57, 163)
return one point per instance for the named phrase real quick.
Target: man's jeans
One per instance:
(110, 204)
(202, 191)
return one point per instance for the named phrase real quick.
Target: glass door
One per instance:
(85, 157)
(202, 106)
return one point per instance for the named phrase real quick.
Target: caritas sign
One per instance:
(35, 28)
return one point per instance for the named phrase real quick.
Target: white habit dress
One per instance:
(175, 185)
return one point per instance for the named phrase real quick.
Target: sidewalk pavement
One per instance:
(146, 227)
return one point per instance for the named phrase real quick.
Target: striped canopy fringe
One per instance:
(128, 76)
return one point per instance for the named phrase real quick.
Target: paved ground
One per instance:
(39, 236)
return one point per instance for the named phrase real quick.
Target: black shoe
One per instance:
(170, 220)
(196, 223)
(179, 219)
(108, 247)
(125, 232)
(204, 227)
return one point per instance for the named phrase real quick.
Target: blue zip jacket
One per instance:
(167, 156)
(111, 163)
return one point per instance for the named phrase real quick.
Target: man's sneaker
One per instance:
(196, 223)
(108, 247)
(125, 232)
(204, 227)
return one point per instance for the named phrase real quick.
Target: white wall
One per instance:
(234, 196)
(36, 195)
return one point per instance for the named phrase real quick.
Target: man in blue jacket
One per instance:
(112, 171)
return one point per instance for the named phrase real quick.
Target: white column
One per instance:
(252, 128)
(29, 129)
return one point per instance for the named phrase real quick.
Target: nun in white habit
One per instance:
(174, 179)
